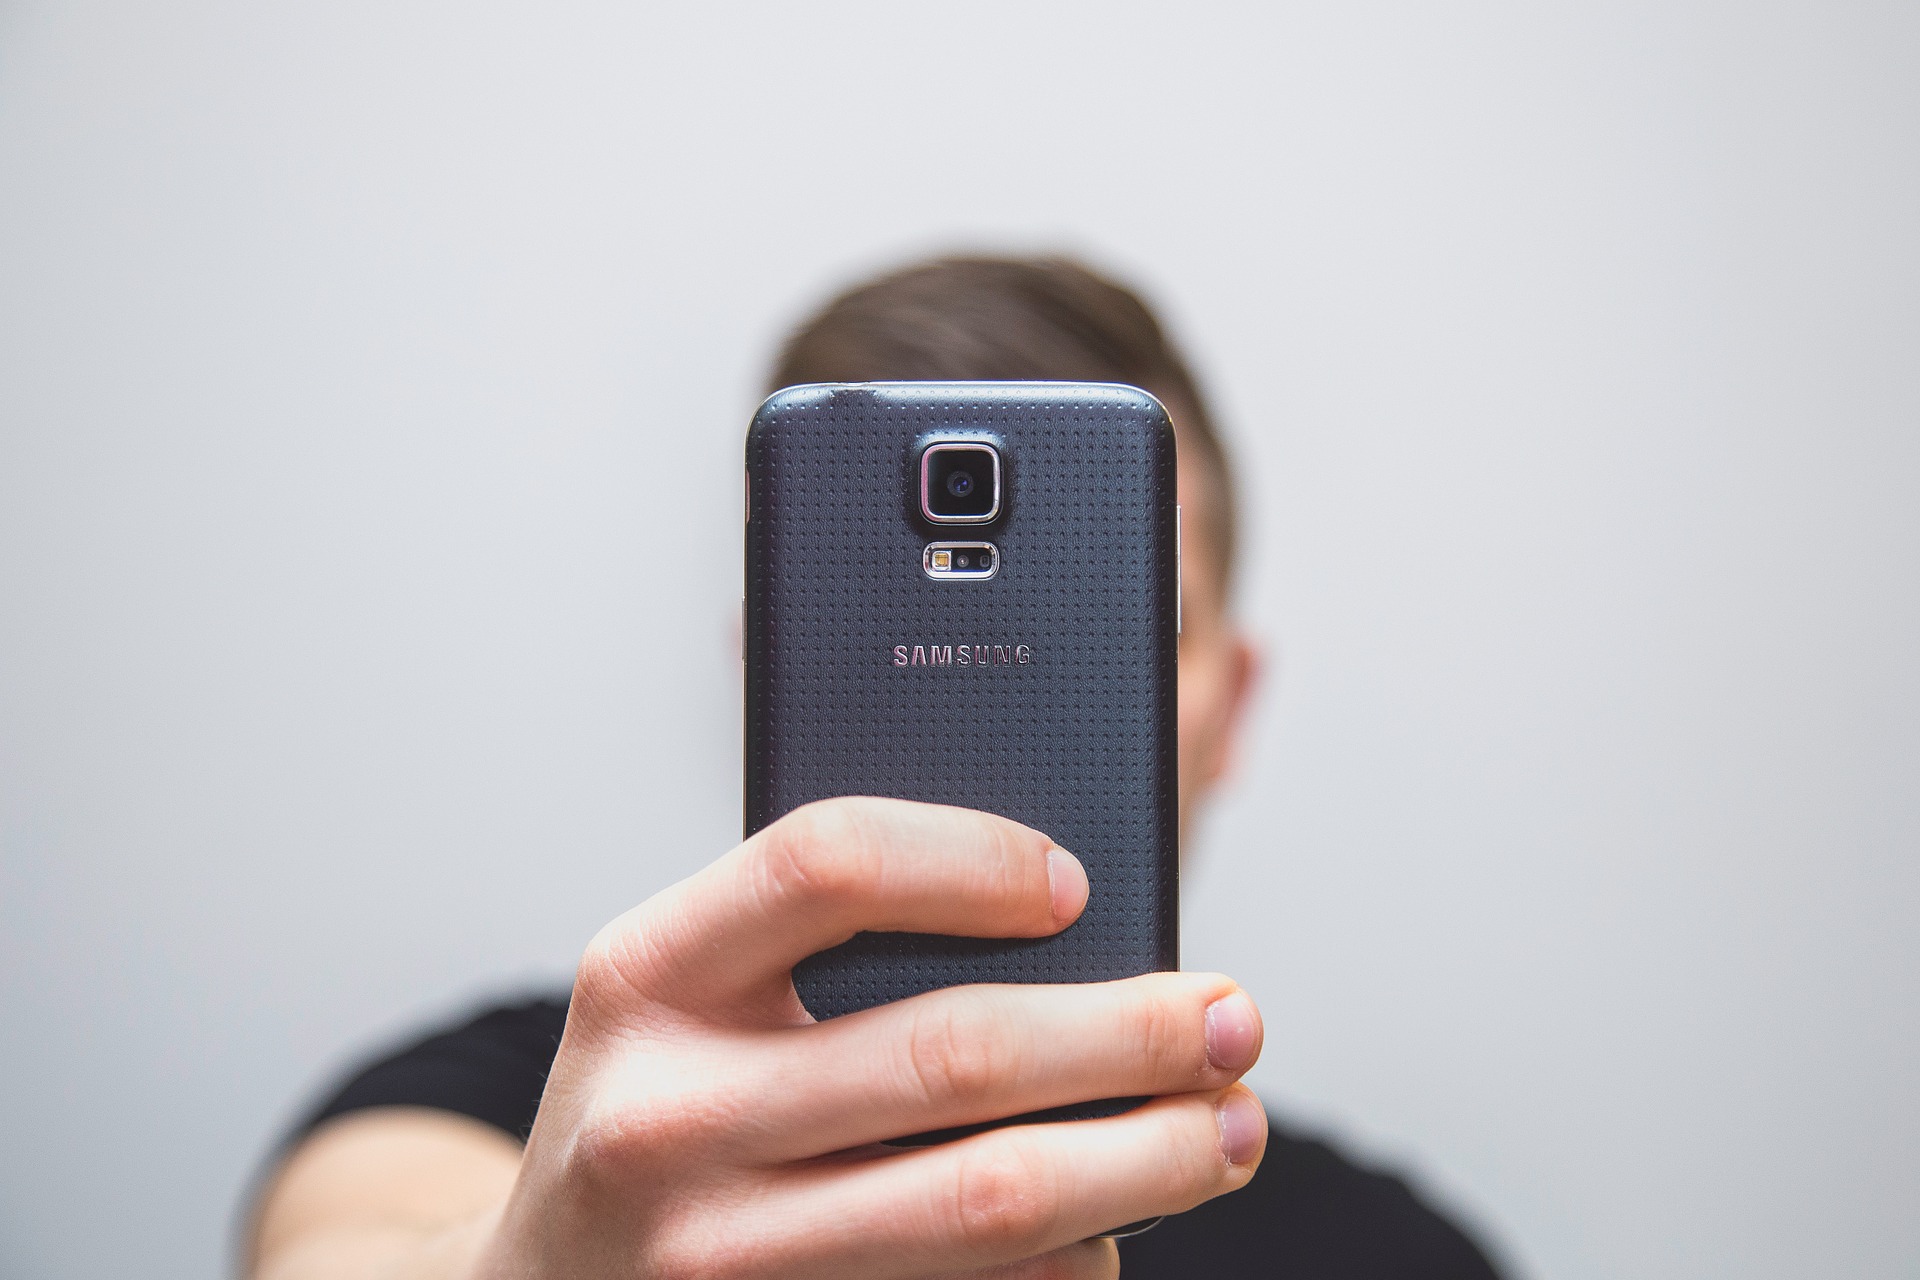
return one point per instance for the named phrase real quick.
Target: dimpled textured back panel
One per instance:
(1078, 740)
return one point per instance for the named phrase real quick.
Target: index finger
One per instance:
(830, 870)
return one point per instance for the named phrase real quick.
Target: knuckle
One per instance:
(1017, 864)
(1167, 1040)
(1005, 1197)
(1196, 1171)
(610, 1143)
(701, 1254)
(948, 1061)
(627, 959)
(819, 854)
(1088, 1260)
(605, 968)
(617, 1142)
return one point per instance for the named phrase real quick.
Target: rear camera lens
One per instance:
(960, 483)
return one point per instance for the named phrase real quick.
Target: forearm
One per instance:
(398, 1193)
(387, 1251)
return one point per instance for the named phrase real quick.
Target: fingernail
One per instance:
(1243, 1126)
(1067, 880)
(1233, 1032)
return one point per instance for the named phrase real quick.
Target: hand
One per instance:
(698, 1122)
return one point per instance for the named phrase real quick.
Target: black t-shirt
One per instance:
(1309, 1214)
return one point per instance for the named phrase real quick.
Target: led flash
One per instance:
(942, 561)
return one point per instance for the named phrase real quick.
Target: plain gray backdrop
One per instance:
(372, 384)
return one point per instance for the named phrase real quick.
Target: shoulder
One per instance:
(1310, 1211)
(491, 1066)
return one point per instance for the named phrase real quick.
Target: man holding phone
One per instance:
(682, 1116)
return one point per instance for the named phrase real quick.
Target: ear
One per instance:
(1241, 668)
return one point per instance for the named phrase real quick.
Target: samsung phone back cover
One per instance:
(1046, 693)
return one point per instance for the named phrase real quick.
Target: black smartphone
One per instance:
(968, 593)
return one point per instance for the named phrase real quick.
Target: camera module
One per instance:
(960, 483)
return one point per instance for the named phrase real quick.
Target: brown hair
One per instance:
(1015, 318)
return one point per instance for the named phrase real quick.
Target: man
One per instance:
(682, 1116)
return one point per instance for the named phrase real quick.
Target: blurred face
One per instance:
(1217, 664)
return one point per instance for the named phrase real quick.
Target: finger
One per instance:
(1083, 1260)
(829, 870)
(972, 1054)
(1027, 1190)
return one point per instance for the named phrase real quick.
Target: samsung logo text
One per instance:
(962, 655)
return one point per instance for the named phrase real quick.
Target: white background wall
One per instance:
(372, 378)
